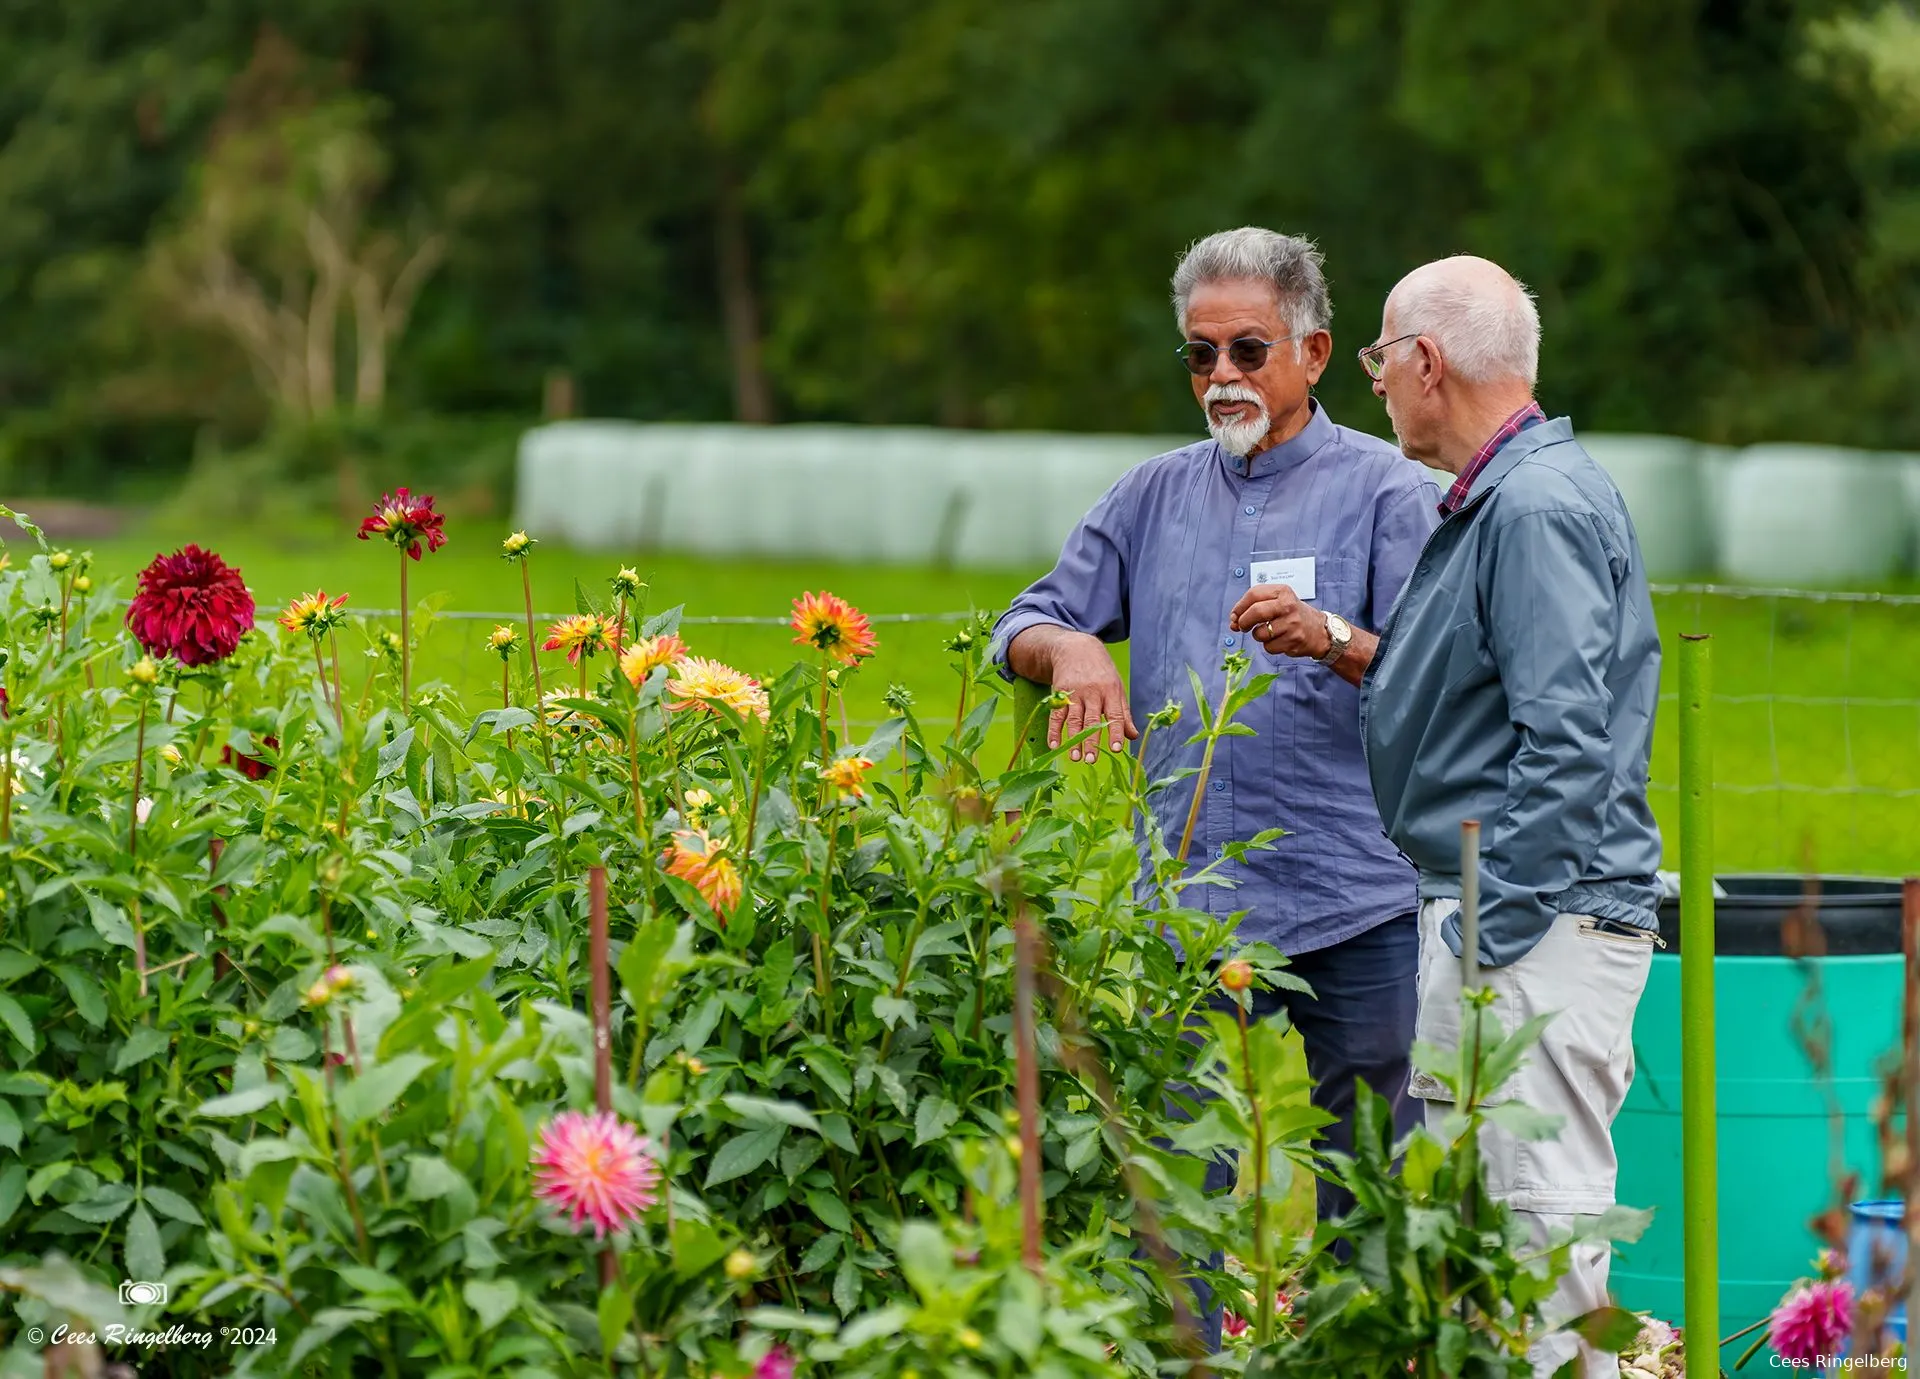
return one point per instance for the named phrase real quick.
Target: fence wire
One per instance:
(1816, 708)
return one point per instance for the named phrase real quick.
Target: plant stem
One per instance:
(320, 668)
(1027, 1085)
(822, 987)
(406, 652)
(133, 808)
(533, 660)
(601, 994)
(1199, 789)
(1262, 1261)
(339, 706)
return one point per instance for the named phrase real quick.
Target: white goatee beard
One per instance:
(1237, 438)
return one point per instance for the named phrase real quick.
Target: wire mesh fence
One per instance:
(1816, 707)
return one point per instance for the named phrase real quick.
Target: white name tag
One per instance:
(1294, 571)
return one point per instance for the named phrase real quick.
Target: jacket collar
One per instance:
(1534, 438)
(1318, 432)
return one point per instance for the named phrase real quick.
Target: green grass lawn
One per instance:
(1817, 727)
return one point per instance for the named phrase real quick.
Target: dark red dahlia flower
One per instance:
(192, 606)
(253, 768)
(405, 519)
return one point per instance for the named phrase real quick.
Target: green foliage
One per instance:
(822, 1061)
(1441, 1272)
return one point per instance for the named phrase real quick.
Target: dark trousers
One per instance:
(1357, 1025)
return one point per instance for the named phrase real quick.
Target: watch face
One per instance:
(1337, 625)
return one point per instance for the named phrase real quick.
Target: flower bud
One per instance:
(81, 584)
(516, 546)
(144, 671)
(969, 1338)
(1236, 975)
(59, 560)
(741, 1266)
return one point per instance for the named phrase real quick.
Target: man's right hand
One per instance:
(1083, 669)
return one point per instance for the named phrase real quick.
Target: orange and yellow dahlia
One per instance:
(701, 683)
(849, 774)
(314, 614)
(641, 659)
(702, 862)
(581, 634)
(829, 623)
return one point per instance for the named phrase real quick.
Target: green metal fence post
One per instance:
(1699, 1127)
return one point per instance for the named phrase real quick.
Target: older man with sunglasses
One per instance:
(1322, 524)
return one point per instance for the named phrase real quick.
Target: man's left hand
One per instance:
(1276, 618)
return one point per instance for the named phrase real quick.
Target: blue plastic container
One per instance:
(1877, 1253)
(1776, 1124)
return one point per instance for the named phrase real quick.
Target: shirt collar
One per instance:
(1317, 432)
(1529, 415)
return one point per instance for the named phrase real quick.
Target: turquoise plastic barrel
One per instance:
(1776, 1124)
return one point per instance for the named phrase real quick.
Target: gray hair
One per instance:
(1288, 264)
(1485, 330)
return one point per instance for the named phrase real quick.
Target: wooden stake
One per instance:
(602, 997)
(1027, 1083)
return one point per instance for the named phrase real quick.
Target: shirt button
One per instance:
(1249, 510)
(1239, 570)
(1219, 785)
(1232, 641)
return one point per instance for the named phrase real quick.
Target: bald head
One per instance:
(1481, 317)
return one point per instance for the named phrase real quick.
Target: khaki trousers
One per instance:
(1579, 1071)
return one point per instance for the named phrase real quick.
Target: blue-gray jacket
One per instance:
(1515, 684)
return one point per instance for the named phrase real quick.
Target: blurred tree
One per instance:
(277, 238)
(960, 211)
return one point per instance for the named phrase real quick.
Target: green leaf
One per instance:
(835, 1130)
(430, 1177)
(10, 1127)
(109, 920)
(744, 1153)
(762, 1111)
(145, 1256)
(1522, 1121)
(15, 963)
(143, 1043)
(697, 1246)
(1606, 1328)
(1018, 1325)
(830, 1209)
(783, 1319)
(846, 1286)
(371, 1093)
(821, 1253)
(932, 1118)
(13, 1190)
(891, 1011)
(46, 1176)
(492, 1299)
(14, 1017)
(245, 1102)
(327, 1323)
(924, 1257)
(170, 1203)
(109, 1203)
(615, 1314)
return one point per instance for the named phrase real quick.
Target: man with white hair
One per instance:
(1326, 522)
(1515, 684)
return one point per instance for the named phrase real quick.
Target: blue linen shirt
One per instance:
(1159, 563)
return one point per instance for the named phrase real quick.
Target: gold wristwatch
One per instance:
(1339, 638)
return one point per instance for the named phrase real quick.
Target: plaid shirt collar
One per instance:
(1463, 484)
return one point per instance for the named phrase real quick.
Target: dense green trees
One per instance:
(959, 211)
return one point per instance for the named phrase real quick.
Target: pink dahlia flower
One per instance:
(775, 1364)
(597, 1169)
(1811, 1322)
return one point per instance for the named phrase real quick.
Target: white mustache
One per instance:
(1231, 392)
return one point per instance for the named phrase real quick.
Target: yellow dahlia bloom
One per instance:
(701, 683)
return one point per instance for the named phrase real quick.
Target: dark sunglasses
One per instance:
(1246, 354)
